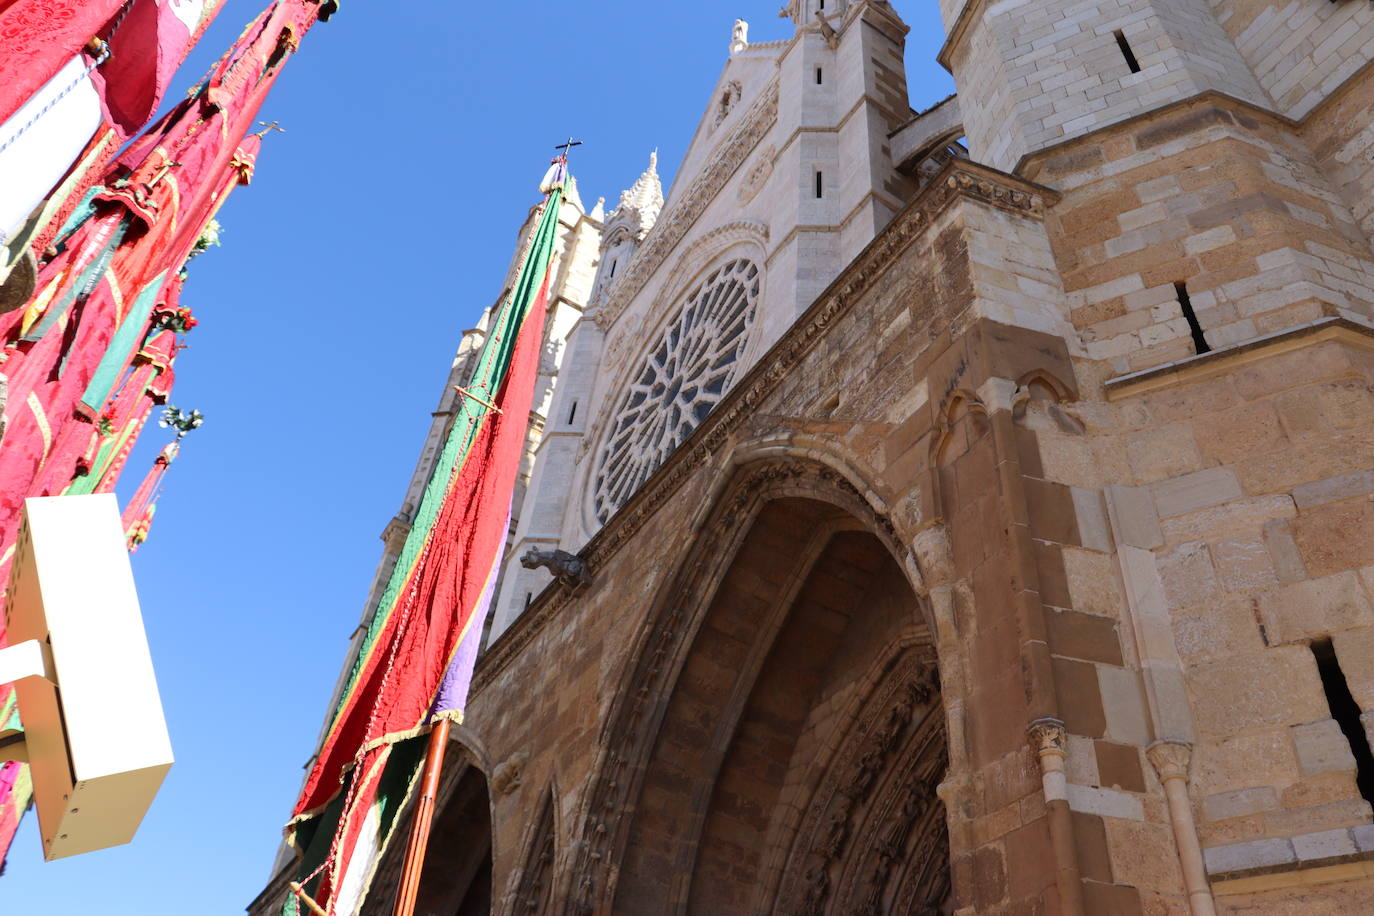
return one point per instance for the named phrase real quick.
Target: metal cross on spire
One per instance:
(567, 147)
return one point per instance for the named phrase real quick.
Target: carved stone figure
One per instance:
(739, 36)
(817, 886)
(836, 829)
(507, 776)
(568, 568)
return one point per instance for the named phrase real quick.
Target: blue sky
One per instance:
(376, 229)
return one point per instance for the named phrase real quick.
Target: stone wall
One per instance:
(1301, 52)
(1208, 193)
(1055, 70)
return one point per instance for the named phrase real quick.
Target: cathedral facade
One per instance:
(974, 507)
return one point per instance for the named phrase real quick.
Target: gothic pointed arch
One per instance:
(787, 665)
(457, 876)
(533, 893)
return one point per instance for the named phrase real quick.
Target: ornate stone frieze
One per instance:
(532, 893)
(878, 796)
(673, 225)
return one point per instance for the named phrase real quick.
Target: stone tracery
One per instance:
(685, 373)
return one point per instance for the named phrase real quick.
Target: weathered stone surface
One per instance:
(1240, 802)
(1274, 687)
(1198, 490)
(1316, 608)
(1337, 536)
(1242, 856)
(1141, 855)
(1322, 748)
(1324, 844)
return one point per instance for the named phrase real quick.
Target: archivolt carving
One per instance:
(875, 803)
(639, 704)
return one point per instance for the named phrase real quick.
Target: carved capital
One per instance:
(1048, 738)
(1170, 758)
(997, 394)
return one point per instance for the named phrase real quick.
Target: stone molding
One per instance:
(961, 180)
(673, 224)
(1229, 359)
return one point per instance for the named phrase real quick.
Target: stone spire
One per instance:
(640, 205)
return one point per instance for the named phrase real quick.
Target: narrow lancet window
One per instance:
(1126, 51)
(1194, 327)
(1346, 712)
(572, 414)
(820, 184)
(819, 76)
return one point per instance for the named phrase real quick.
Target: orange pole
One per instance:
(409, 888)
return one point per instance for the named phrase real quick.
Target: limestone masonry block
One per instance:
(1123, 703)
(1255, 854)
(1324, 844)
(1322, 748)
(1343, 486)
(1199, 490)
(1277, 686)
(1243, 564)
(1238, 803)
(1105, 802)
(1316, 608)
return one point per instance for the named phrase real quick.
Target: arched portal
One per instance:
(795, 764)
(457, 875)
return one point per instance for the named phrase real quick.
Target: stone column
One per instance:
(1049, 742)
(1170, 760)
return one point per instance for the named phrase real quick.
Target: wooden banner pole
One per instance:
(409, 888)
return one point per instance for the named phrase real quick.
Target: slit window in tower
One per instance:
(1126, 51)
(820, 184)
(572, 414)
(1185, 304)
(1346, 712)
(529, 596)
(612, 273)
(819, 76)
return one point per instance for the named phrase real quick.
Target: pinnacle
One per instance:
(646, 194)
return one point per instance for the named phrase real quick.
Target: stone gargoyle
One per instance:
(568, 568)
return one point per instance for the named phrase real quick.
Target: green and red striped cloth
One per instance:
(416, 658)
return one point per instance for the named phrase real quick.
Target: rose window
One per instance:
(685, 373)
